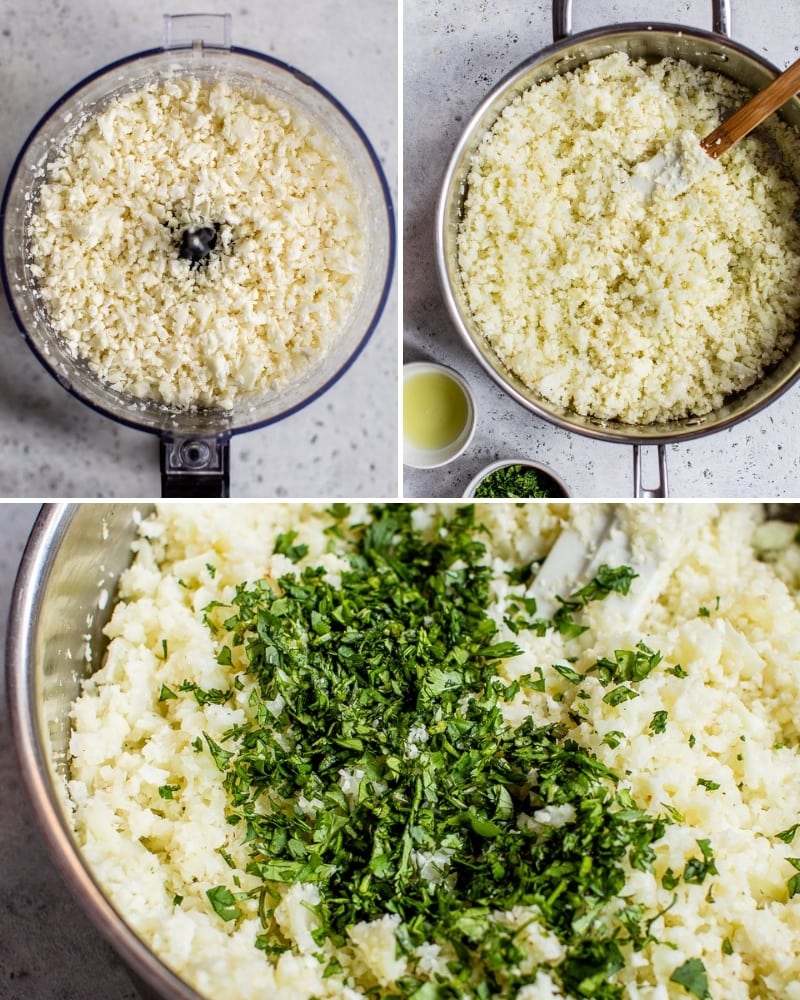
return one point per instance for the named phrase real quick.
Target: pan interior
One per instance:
(651, 43)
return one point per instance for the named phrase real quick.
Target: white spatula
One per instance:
(608, 536)
(676, 167)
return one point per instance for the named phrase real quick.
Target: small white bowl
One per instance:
(553, 483)
(420, 457)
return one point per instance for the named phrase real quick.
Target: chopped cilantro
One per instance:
(334, 968)
(627, 665)
(658, 724)
(516, 481)
(712, 786)
(607, 581)
(166, 693)
(669, 879)
(539, 683)
(338, 511)
(793, 884)
(345, 677)
(219, 755)
(211, 696)
(521, 574)
(619, 694)
(787, 836)
(224, 902)
(696, 869)
(284, 545)
(693, 978)
(167, 791)
(568, 673)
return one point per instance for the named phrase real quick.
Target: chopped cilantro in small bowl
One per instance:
(515, 479)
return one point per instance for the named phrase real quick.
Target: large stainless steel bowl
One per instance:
(195, 440)
(712, 50)
(62, 600)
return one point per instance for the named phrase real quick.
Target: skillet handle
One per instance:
(562, 18)
(195, 467)
(662, 488)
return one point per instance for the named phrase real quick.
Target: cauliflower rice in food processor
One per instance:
(343, 753)
(197, 243)
(614, 305)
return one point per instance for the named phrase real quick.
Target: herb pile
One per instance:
(388, 677)
(517, 482)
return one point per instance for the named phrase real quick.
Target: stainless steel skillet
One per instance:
(714, 50)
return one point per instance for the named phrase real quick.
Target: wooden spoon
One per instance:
(743, 121)
(676, 167)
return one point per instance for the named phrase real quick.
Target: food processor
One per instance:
(194, 441)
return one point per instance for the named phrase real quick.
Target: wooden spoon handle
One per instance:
(754, 112)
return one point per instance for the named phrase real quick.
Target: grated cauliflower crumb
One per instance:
(182, 155)
(611, 305)
(721, 613)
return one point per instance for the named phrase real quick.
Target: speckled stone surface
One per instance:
(454, 52)
(343, 444)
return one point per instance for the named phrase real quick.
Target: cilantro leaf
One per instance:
(608, 580)
(619, 695)
(793, 884)
(219, 755)
(658, 723)
(696, 869)
(693, 978)
(210, 696)
(224, 902)
(284, 545)
(568, 673)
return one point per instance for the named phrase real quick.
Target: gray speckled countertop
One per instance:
(454, 53)
(342, 444)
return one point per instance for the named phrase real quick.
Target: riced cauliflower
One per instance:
(688, 701)
(112, 230)
(615, 306)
